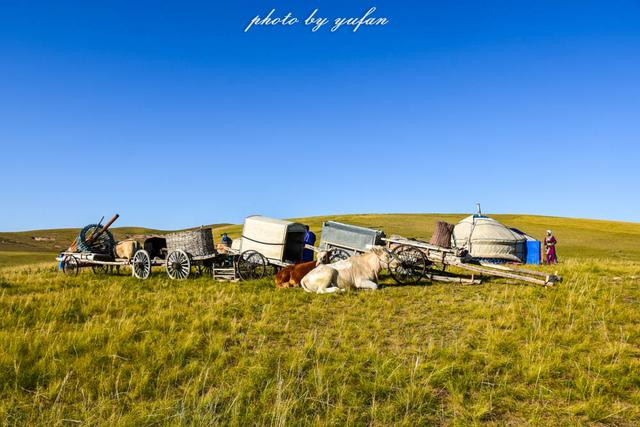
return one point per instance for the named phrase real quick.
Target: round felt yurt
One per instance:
(490, 240)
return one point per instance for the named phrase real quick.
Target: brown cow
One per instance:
(291, 275)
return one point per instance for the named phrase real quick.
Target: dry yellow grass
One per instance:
(115, 350)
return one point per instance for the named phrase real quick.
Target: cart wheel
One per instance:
(100, 269)
(141, 264)
(178, 265)
(411, 265)
(251, 265)
(70, 265)
(338, 254)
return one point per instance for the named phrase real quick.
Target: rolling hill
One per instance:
(577, 237)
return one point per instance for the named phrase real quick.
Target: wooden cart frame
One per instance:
(266, 245)
(140, 263)
(418, 260)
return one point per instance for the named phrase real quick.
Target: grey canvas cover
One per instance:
(349, 236)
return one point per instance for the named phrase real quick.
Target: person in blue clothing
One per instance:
(309, 239)
(226, 240)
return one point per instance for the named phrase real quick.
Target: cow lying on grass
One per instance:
(359, 272)
(291, 275)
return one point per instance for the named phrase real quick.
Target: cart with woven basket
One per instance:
(191, 250)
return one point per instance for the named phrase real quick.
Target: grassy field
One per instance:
(115, 350)
(16, 258)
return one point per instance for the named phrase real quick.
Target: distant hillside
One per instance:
(576, 237)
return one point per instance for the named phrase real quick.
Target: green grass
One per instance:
(115, 350)
(16, 258)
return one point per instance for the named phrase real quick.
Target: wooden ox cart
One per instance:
(418, 260)
(266, 245)
(342, 240)
(140, 263)
(187, 249)
(94, 247)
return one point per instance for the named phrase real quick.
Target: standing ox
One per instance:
(126, 248)
(359, 271)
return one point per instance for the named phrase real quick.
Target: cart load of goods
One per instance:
(190, 248)
(96, 247)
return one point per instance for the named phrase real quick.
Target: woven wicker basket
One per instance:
(194, 242)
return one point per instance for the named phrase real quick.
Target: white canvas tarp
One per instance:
(485, 237)
(274, 238)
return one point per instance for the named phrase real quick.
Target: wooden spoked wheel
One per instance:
(337, 254)
(70, 265)
(251, 265)
(178, 265)
(141, 265)
(409, 266)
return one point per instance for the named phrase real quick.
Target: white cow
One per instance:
(359, 271)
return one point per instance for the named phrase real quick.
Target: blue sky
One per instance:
(169, 114)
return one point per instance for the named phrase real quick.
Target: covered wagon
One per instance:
(268, 242)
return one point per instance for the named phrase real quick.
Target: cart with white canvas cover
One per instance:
(267, 244)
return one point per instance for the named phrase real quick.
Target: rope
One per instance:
(269, 243)
(102, 245)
